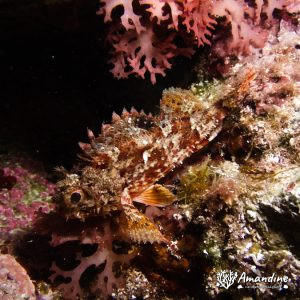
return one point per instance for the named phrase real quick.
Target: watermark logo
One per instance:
(226, 279)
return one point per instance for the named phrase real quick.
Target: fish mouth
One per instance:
(83, 212)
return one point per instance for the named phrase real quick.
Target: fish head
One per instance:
(89, 193)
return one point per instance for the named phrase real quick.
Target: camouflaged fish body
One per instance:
(123, 164)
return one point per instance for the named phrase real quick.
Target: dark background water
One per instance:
(55, 81)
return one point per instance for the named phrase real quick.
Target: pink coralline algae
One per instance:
(14, 281)
(23, 192)
(146, 34)
(96, 252)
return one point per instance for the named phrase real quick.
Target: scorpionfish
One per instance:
(124, 164)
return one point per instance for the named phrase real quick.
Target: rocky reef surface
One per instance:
(24, 192)
(14, 280)
(237, 204)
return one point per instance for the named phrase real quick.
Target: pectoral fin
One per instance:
(156, 195)
(138, 228)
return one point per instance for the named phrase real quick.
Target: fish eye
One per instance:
(75, 197)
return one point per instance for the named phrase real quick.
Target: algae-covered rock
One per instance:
(25, 191)
(245, 191)
(14, 281)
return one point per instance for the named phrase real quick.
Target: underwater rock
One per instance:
(245, 193)
(24, 191)
(14, 281)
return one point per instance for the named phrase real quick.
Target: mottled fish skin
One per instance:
(134, 152)
(176, 138)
